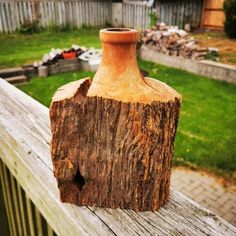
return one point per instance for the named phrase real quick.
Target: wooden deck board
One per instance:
(25, 149)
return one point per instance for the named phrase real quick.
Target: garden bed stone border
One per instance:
(207, 68)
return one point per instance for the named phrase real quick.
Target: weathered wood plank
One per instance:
(20, 10)
(38, 222)
(63, 12)
(79, 14)
(4, 20)
(25, 15)
(29, 11)
(1, 22)
(24, 148)
(12, 17)
(30, 216)
(70, 15)
(41, 7)
(9, 188)
(21, 207)
(6, 12)
(15, 205)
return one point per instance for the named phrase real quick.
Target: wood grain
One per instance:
(110, 153)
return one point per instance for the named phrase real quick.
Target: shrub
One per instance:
(230, 18)
(152, 19)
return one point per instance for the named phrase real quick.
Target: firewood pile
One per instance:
(173, 41)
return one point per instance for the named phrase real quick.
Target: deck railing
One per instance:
(32, 199)
(23, 217)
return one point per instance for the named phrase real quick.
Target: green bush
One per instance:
(230, 18)
(152, 19)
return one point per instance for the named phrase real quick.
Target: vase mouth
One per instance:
(118, 35)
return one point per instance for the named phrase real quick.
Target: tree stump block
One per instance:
(110, 149)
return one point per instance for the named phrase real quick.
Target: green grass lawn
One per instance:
(206, 133)
(206, 136)
(17, 49)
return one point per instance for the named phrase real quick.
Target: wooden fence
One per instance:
(213, 14)
(76, 13)
(53, 12)
(172, 12)
(136, 15)
(179, 12)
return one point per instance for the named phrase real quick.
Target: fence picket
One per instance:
(1, 23)
(5, 26)
(8, 17)
(41, 13)
(63, 8)
(59, 14)
(25, 16)
(13, 16)
(20, 10)
(80, 14)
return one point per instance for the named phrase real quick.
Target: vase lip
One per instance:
(118, 35)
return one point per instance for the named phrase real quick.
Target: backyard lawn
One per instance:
(206, 135)
(17, 49)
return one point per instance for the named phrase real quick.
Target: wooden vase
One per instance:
(113, 137)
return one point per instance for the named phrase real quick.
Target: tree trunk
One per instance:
(114, 152)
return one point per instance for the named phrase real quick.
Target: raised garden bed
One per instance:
(64, 65)
(207, 68)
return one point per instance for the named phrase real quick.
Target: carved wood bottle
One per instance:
(112, 138)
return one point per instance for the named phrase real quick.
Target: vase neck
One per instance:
(118, 76)
(119, 60)
(118, 73)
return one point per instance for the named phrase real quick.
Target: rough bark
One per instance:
(109, 153)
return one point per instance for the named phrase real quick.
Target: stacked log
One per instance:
(173, 41)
